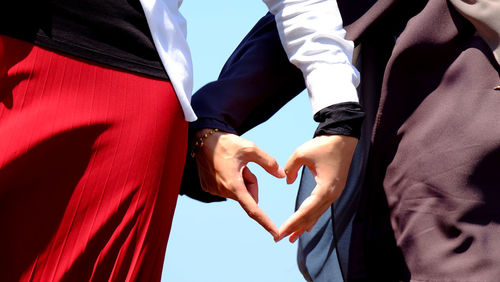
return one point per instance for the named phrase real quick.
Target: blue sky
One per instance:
(218, 242)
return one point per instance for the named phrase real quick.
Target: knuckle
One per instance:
(252, 213)
(232, 185)
(307, 218)
(249, 147)
(251, 144)
(248, 150)
(300, 155)
(272, 163)
(331, 195)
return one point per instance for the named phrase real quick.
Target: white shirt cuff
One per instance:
(329, 84)
(313, 37)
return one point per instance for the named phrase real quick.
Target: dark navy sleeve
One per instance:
(256, 81)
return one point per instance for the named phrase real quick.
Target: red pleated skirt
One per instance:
(91, 161)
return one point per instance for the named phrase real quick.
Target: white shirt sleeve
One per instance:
(313, 37)
(169, 32)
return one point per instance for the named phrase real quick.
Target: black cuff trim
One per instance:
(340, 119)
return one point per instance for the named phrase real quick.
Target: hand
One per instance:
(223, 172)
(328, 157)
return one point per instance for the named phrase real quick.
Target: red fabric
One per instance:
(90, 166)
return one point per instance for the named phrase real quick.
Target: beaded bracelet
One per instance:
(199, 143)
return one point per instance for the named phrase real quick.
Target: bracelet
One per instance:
(199, 143)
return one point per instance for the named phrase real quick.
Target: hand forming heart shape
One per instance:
(222, 161)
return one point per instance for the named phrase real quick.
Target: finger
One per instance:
(251, 183)
(292, 224)
(307, 215)
(268, 163)
(252, 209)
(296, 235)
(292, 166)
(296, 231)
(300, 228)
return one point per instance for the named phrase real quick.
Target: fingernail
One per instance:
(294, 238)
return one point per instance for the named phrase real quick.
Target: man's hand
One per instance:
(328, 157)
(223, 172)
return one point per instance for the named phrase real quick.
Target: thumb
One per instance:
(292, 166)
(251, 183)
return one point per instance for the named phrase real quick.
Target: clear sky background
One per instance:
(218, 242)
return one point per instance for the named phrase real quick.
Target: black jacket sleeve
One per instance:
(256, 81)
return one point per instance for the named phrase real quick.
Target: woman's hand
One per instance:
(223, 172)
(328, 157)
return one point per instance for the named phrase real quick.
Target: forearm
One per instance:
(256, 81)
(313, 37)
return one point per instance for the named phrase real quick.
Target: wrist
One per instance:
(199, 139)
